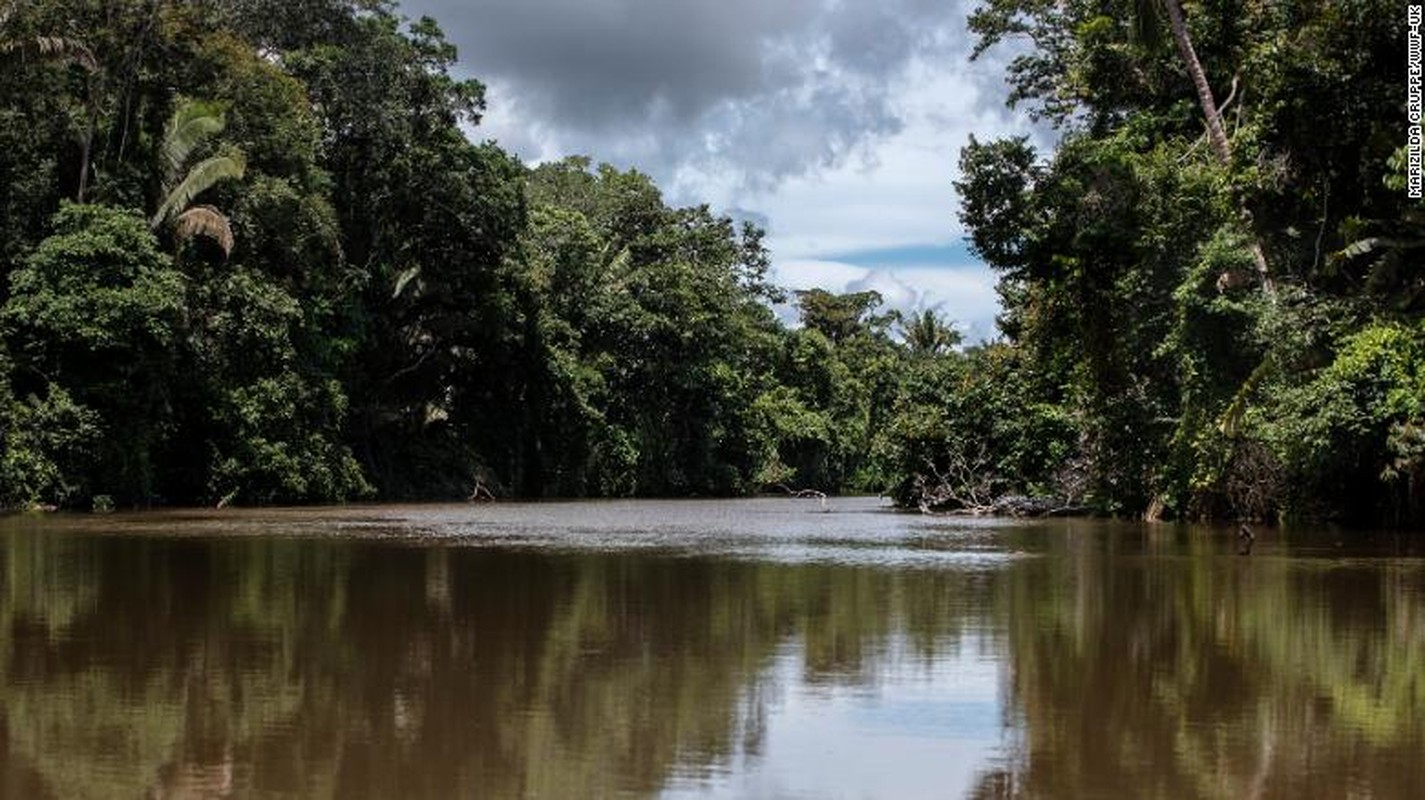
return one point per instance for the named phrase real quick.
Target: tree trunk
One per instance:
(91, 121)
(86, 146)
(1216, 133)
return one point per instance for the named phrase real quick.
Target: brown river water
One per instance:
(769, 648)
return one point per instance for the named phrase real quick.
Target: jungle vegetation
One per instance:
(250, 254)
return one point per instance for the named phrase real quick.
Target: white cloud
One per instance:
(810, 274)
(964, 294)
(843, 131)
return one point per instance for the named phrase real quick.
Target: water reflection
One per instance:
(1155, 662)
(1068, 660)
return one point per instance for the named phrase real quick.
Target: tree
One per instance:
(1120, 253)
(1083, 71)
(95, 318)
(193, 122)
(839, 317)
(1212, 113)
(927, 333)
(400, 294)
(64, 49)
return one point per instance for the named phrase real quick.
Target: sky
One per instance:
(836, 125)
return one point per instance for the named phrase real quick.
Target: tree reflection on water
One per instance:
(1141, 663)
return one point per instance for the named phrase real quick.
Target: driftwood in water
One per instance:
(809, 494)
(966, 487)
(481, 493)
(804, 493)
(1245, 540)
(1015, 505)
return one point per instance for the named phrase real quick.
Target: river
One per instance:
(771, 648)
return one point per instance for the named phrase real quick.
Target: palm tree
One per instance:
(1216, 132)
(926, 332)
(192, 122)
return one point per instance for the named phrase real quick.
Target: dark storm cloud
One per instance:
(774, 87)
(608, 62)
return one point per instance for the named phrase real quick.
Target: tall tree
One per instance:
(1212, 113)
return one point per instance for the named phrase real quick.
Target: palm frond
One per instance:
(191, 123)
(199, 179)
(205, 221)
(404, 279)
(71, 50)
(59, 48)
(926, 332)
(1361, 247)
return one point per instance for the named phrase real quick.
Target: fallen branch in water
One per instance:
(968, 488)
(805, 493)
(1245, 539)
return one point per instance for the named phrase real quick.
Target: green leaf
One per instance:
(191, 123)
(198, 180)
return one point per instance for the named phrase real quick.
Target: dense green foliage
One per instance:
(1137, 328)
(249, 254)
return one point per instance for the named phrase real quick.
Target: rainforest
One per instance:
(257, 252)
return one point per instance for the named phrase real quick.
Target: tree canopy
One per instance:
(249, 254)
(338, 294)
(1126, 256)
